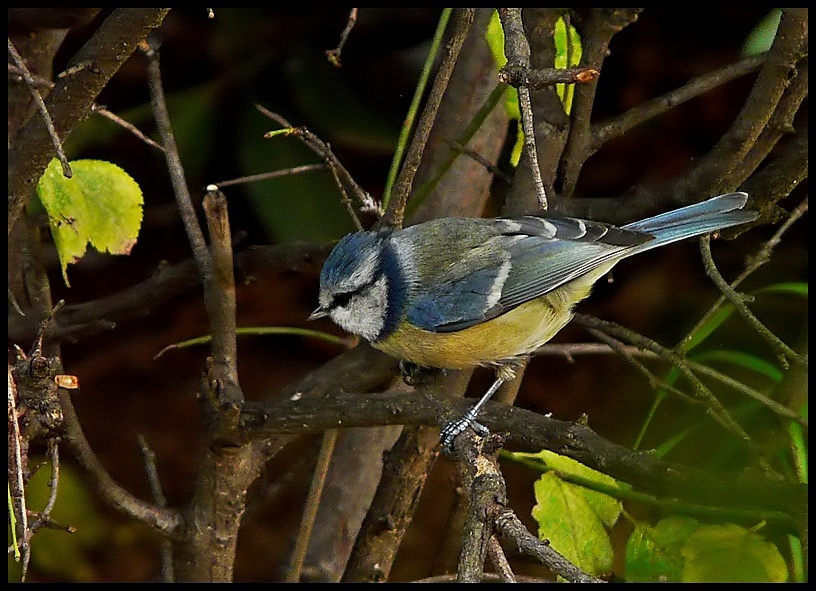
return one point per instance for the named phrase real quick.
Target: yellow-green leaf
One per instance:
(568, 52)
(730, 553)
(100, 205)
(574, 518)
(495, 40)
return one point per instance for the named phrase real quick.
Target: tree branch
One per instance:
(72, 97)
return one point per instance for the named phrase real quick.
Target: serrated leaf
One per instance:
(100, 205)
(605, 507)
(565, 519)
(573, 518)
(653, 551)
(731, 553)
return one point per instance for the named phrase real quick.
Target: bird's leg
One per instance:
(452, 429)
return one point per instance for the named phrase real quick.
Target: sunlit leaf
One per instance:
(574, 518)
(568, 52)
(100, 205)
(495, 40)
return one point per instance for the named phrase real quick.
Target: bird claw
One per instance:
(452, 429)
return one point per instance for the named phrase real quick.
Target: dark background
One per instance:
(213, 71)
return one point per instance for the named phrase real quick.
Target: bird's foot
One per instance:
(452, 429)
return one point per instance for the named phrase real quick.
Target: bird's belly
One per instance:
(513, 334)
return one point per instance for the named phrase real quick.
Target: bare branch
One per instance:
(333, 55)
(38, 100)
(402, 187)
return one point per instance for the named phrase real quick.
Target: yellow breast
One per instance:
(515, 333)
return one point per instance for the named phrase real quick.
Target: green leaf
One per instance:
(731, 553)
(653, 552)
(799, 288)
(568, 52)
(743, 360)
(495, 40)
(100, 205)
(761, 38)
(574, 518)
(727, 309)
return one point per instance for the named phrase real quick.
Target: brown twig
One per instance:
(333, 55)
(269, 175)
(715, 408)
(323, 150)
(166, 548)
(713, 172)
(297, 557)
(517, 50)
(43, 110)
(174, 165)
(125, 125)
(784, 352)
(395, 213)
(602, 25)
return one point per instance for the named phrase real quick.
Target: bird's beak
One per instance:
(318, 313)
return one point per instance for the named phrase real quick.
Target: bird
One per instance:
(457, 292)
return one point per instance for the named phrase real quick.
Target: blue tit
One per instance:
(463, 292)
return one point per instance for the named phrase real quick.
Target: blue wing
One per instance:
(528, 257)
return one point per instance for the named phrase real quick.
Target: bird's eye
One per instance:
(340, 300)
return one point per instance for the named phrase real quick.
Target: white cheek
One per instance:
(364, 315)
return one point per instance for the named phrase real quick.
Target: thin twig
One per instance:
(324, 151)
(167, 521)
(307, 520)
(498, 559)
(517, 76)
(252, 178)
(53, 483)
(126, 125)
(333, 55)
(174, 165)
(395, 212)
(219, 290)
(38, 100)
(715, 409)
(738, 300)
(413, 108)
(509, 526)
(16, 484)
(166, 547)
(762, 256)
(653, 380)
(517, 50)
(603, 132)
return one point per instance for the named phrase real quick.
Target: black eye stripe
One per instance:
(341, 299)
